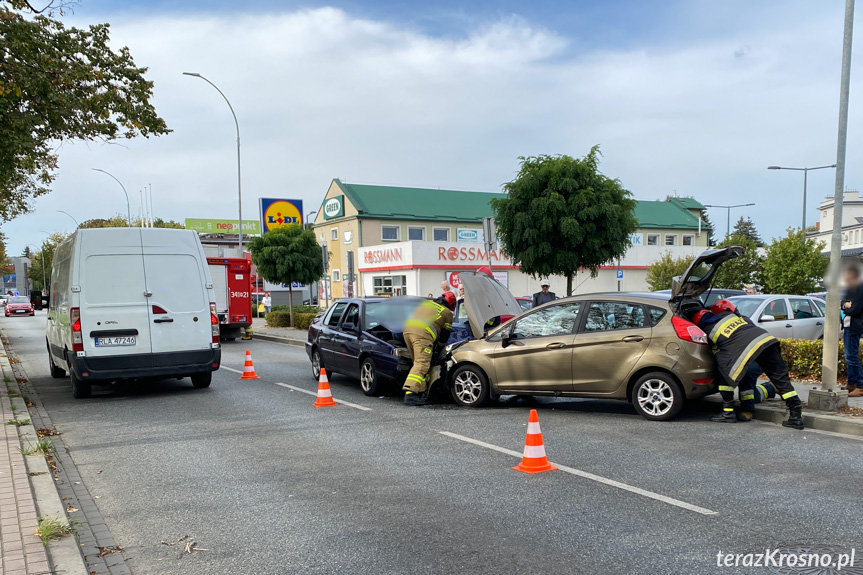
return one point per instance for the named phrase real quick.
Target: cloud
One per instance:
(322, 94)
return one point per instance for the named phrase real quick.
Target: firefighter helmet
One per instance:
(696, 318)
(447, 299)
(723, 305)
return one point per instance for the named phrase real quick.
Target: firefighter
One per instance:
(752, 392)
(429, 327)
(737, 342)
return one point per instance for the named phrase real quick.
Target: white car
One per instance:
(785, 316)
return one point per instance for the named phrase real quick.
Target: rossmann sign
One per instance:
(391, 255)
(454, 254)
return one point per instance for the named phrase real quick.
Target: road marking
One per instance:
(339, 401)
(231, 369)
(591, 476)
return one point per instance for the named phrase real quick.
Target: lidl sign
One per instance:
(207, 226)
(278, 212)
(334, 207)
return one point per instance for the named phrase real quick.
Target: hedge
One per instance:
(283, 319)
(804, 358)
(297, 308)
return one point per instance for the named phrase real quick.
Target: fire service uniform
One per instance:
(429, 326)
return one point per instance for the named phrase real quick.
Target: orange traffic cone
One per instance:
(325, 396)
(249, 367)
(534, 459)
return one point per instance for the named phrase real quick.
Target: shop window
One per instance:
(390, 233)
(440, 234)
(416, 233)
(671, 239)
(389, 285)
(337, 276)
(688, 240)
(653, 239)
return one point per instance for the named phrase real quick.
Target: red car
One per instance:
(19, 305)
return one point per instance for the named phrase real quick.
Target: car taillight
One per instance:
(705, 381)
(77, 336)
(688, 331)
(214, 322)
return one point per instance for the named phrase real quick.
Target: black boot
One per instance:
(727, 415)
(745, 415)
(415, 399)
(795, 418)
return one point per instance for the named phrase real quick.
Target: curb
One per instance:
(279, 339)
(813, 420)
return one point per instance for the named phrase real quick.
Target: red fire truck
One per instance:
(232, 283)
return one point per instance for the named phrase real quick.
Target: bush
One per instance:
(804, 358)
(283, 319)
(297, 308)
(303, 320)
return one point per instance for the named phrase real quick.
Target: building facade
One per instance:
(852, 224)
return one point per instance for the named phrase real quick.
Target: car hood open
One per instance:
(485, 299)
(699, 275)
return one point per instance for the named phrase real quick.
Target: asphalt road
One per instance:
(271, 485)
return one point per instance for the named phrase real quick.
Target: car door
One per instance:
(614, 336)
(775, 318)
(329, 331)
(536, 355)
(808, 322)
(346, 341)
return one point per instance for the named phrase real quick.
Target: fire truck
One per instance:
(232, 282)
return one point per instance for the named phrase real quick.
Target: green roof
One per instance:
(688, 203)
(418, 203)
(668, 214)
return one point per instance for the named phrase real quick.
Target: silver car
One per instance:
(785, 316)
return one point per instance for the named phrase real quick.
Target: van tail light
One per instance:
(77, 335)
(159, 310)
(688, 331)
(214, 322)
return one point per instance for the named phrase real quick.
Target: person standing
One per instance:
(444, 286)
(852, 305)
(268, 302)
(544, 295)
(429, 326)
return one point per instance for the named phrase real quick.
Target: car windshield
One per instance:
(18, 299)
(525, 304)
(747, 306)
(392, 313)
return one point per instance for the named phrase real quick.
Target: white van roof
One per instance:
(97, 239)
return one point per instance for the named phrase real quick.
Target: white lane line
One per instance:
(591, 476)
(337, 400)
(231, 369)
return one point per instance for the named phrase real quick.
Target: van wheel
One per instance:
(657, 397)
(56, 372)
(202, 380)
(470, 386)
(80, 389)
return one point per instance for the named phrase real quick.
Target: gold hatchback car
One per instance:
(636, 347)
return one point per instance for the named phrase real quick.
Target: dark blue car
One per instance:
(362, 338)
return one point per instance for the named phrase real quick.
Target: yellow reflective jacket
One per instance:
(432, 319)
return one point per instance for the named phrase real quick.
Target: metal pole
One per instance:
(830, 358)
(128, 205)
(803, 225)
(728, 222)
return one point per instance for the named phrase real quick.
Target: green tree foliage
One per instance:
(45, 254)
(707, 227)
(744, 227)
(119, 221)
(741, 271)
(288, 254)
(561, 215)
(4, 257)
(662, 271)
(794, 264)
(59, 84)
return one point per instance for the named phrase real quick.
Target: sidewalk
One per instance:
(285, 335)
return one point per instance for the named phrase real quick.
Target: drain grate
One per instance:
(826, 564)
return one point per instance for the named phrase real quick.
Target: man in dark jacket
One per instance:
(852, 305)
(543, 296)
(737, 342)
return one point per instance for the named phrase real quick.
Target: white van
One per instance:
(130, 303)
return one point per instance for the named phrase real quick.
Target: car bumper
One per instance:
(139, 366)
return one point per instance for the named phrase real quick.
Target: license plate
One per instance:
(115, 341)
(20, 311)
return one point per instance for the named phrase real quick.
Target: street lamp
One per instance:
(70, 215)
(128, 205)
(237, 124)
(728, 216)
(805, 177)
(309, 221)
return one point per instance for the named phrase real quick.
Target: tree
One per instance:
(741, 271)
(707, 225)
(794, 264)
(45, 255)
(662, 271)
(4, 257)
(561, 215)
(119, 221)
(288, 254)
(59, 84)
(745, 228)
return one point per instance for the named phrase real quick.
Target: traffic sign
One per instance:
(620, 274)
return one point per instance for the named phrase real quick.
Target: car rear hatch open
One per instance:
(485, 299)
(698, 277)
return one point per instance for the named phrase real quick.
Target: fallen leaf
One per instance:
(71, 509)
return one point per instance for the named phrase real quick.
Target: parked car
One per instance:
(460, 325)
(785, 316)
(19, 305)
(3, 298)
(131, 303)
(712, 296)
(637, 347)
(39, 299)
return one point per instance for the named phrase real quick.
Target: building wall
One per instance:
(678, 235)
(852, 208)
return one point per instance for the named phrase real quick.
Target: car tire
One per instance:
(469, 386)
(657, 396)
(317, 364)
(202, 380)
(370, 382)
(80, 389)
(56, 372)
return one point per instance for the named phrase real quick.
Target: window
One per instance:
(613, 315)
(440, 234)
(352, 315)
(653, 239)
(549, 321)
(416, 233)
(671, 239)
(822, 307)
(803, 308)
(336, 313)
(656, 314)
(334, 234)
(688, 240)
(390, 233)
(777, 308)
(389, 285)
(336, 276)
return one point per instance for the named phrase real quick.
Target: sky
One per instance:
(689, 97)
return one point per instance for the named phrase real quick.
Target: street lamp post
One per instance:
(728, 216)
(805, 178)
(237, 125)
(70, 216)
(128, 205)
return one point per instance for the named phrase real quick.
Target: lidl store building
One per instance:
(405, 241)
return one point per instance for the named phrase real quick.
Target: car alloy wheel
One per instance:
(469, 386)
(369, 377)
(657, 397)
(316, 364)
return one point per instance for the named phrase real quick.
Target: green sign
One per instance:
(334, 207)
(202, 226)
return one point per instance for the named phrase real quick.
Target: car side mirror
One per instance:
(505, 340)
(766, 318)
(349, 326)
